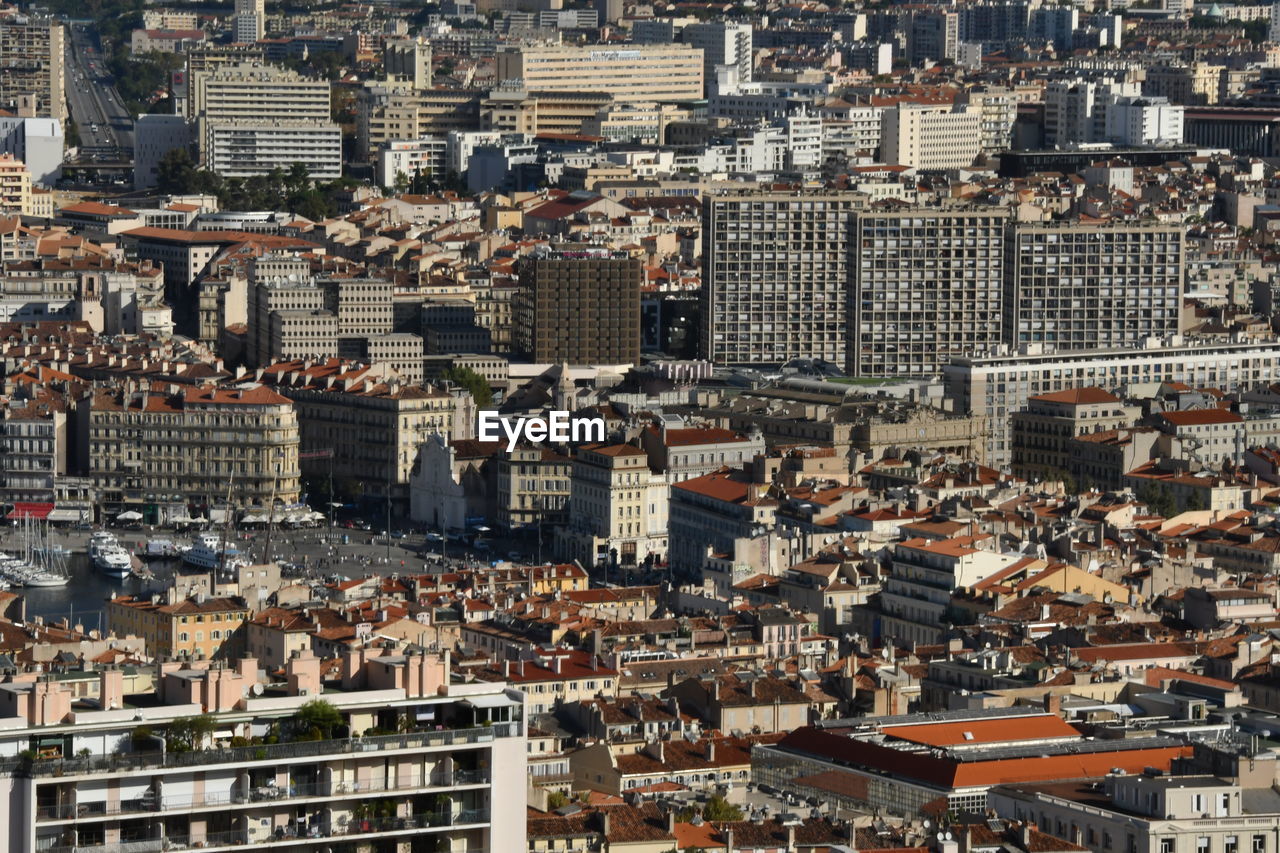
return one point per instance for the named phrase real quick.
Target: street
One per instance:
(106, 128)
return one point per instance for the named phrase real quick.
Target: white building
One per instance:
(929, 137)
(428, 156)
(998, 385)
(250, 20)
(721, 43)
(1143, 121)
(241, 149)
(38, 142)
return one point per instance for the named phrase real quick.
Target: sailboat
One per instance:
(46, 566)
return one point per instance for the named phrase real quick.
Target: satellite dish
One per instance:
(257, 689)
(948, 838)
(927, 823)
(939, 836)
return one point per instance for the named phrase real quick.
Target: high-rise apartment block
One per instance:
(776, 276)
(931, 137)
(15, 186)
(250, 21)
(1084, 286)
(32, 56)
(651, 72)
(408, 59)
(721, 43)
(926, 285)
(580, 305)
(255, 118)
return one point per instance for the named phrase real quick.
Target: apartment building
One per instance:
(287, 319)
(249, 21)
(188, 97)
(578, 305)
(533, 488)
(927, 285)
(931, 137)
(32, 52)
(682, 453)
(646, 72)
(242, 149)
(775, 276)
(997, 385)
(723, 43)
(1042, 432)
(15, 186)
(194, 628)
(34, 444)
(102, 780)
(163, 453)
(408, 59)
(253, 118)
(916, 595)
(1080, 286)
(367, 429)
(617, 507)
(1222, 801)
(710, 515)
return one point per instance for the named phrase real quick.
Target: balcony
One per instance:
(285, 836)
(243, 795)
(125, 763)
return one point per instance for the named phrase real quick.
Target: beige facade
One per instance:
(1042, 432)
(617, 507)
(632, 72)
(15, 186)
(32, 52)
(190, 446)
(931, 137)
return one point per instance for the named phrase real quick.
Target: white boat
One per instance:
(207, 552)
(158, 549)
(108, 556)
(42, 566)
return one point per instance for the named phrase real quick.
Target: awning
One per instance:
(489, 701)
(31, 510)
(69, 514)
(129, 515)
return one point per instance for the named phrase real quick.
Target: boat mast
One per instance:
(226, 525)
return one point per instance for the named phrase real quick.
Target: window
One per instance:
(1231, 844)
(1202, 844)
(1259, 844)
(1168, 845)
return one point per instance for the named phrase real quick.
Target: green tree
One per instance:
(1194, 502)
(317, 720)
(556, 800)
(473, 382)
(188, 733)
(718, 808)
(402, 183)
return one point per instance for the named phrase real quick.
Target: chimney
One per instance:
(110, 688)
(555, 664)
(711, 750)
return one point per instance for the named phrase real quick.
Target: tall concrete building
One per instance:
(580, 305)
(933, 35)
(651, 72)
(1075, 286)
(931, 137)
(250, 21)
(927, 285)
(721, 43)
(408, 59)
(254, 118)
(32, 54)
(775, 276)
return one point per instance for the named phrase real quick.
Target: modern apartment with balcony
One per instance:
(221, 758)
